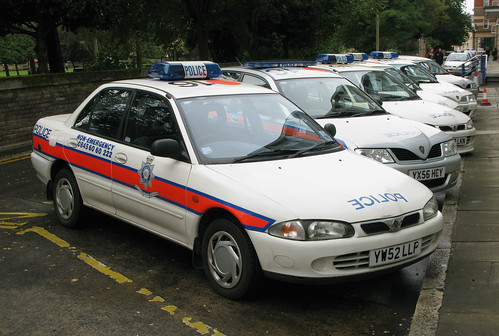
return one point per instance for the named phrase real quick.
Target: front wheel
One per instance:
(230, 261)
(68, 204)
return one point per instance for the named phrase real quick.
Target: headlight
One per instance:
(469, 124)
(311, 230)
(472, 86)
(430, 209)
(380, 155)
(449, 148)
(468, 98)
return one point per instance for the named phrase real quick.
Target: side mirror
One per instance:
(331, 129)
(166, 148)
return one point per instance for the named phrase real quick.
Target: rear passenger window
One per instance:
(103, 115)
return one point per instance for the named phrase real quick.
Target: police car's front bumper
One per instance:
(469, 108)
(450, 164)
(465, 140)
(328, 261)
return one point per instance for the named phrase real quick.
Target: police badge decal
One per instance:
(146, 175)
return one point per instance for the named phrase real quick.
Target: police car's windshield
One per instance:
(418, 74)
(328, 97)
(463, 57)
(243, 128)
(380, 85)
(403, 78)
(434, 68)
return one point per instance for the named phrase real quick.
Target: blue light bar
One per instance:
(280, 64)
(334, 58)
(383, 55)
(184, 70)
(360, 56)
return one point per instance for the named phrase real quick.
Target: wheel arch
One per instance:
(206, 218)
(56, 167)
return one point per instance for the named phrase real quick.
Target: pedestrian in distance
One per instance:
(494, 54)
(439, 56)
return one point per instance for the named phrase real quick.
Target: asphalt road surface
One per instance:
(111, 278)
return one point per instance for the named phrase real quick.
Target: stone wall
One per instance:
(23, 100)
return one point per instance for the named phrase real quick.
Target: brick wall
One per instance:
(23, 100)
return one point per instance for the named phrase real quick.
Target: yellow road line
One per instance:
(199, 326)
(6, 218)
(18, 157)
(103, 268)
(47, 235)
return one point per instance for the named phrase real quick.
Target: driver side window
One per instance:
(150, 118)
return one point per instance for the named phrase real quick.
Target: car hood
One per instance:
(426, 112)
(386, 131)
(453, 63)
(438, 99)
(340, 186)
(453, 79)
(445, 89)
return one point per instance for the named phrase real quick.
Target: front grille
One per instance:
(377, 227)
(403, 154)
(384, 226)
(452, 128)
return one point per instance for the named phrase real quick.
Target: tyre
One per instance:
(230, 261)
(68, 204)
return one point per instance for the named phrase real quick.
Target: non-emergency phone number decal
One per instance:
(94, 145)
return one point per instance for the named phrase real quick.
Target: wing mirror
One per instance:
(330, 129)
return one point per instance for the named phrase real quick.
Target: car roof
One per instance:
(350, 67)
(280, 73)
(192, 88)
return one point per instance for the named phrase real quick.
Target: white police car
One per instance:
(236, 173)
(457, 60)
(398, 99)
(442, 74)
(466, 99)
(362, 126)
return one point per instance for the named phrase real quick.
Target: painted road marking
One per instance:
(8, 220)
(18, 157)
(199, 327)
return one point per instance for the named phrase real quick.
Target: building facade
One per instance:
(486, 24)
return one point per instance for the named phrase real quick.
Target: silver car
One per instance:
(362, 125)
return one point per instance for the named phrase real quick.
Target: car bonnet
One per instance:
(340, 186)
(426, 112)
(387, 131)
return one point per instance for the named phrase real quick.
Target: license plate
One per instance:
(461, 141)
(427, 174)
(388, 255)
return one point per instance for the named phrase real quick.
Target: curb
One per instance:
(426, 315)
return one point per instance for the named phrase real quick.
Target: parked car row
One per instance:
(307, 172)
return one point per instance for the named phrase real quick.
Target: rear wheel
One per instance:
(230, 261)
(68, 204)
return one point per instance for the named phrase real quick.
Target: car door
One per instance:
(150, 191)
(91, 143)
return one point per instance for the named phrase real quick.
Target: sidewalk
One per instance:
(460, 293)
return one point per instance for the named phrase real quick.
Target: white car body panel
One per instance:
(170, 197)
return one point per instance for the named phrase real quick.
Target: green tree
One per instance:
(15, 50)
(41, 19)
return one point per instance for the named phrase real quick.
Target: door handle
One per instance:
(121, 158)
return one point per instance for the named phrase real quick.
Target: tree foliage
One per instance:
(103, 33)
